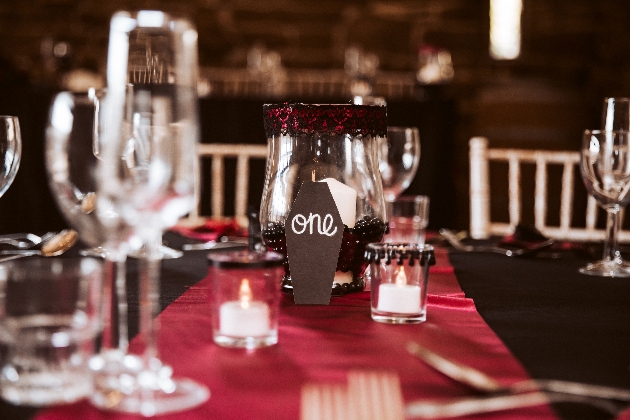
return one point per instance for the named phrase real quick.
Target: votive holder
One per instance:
(245, 297)
(50, 315)
(399, 276)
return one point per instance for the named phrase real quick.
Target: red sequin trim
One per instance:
(306, 119)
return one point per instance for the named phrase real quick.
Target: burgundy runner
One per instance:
(322, 343)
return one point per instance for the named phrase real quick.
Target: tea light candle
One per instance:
(399, 297)
(244, 318)
(345, 199)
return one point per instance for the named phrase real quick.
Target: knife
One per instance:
(223, 242)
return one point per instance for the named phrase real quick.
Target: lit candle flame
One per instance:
(245, 293)
(401, 279)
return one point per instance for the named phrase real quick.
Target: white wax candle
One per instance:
(399, 297)
(341, 277)
(239, 321)
(244, 317)
(345, 199)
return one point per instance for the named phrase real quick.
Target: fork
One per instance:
(324, 401)
(520, 394)
(376, 395)
(24, 240)
(369, 395)
(452, 239)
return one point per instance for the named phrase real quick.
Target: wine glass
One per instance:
(71, 167)
(398, 158)
(10, 151)
(616, 114)
(146, 178)
(605, 168)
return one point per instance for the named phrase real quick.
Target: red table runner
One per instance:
(322, 343)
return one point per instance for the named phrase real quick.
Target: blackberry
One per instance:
(370, 229)
(346, 251)
(276, 240)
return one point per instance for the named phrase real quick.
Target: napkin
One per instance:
(528, 237)
(524, 236)
(211, 229)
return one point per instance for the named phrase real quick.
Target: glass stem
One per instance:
(150, 294)
(612, 230)
(115, 335)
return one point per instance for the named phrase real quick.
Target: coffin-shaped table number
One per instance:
(314, 230)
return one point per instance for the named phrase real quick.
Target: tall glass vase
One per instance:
(336, 144)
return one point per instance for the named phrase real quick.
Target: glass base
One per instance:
(615, 268)
(100, 252)
(46, 388)
(249, 343)
(396, 318)
(357, 285)
(122, 384)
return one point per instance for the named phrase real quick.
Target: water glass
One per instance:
(245, 298)
(49, 318)
(408, 218)
(399, 275)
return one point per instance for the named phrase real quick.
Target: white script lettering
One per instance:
(323, 228)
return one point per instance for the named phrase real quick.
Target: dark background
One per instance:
(573, 53)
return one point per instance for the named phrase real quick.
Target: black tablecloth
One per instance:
(558, 323)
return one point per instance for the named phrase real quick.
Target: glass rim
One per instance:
(603, 131)
(399, 251)
(420, 198)
(376, 246)
(617, 98)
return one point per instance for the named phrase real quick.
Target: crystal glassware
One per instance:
(335, 143)
(605, 168)
(50, 313)
(149, 130)
(408, 219)
(245, 298)
(71, 164)
(398, 158)
(616, 114)
(10, 150)
(400, 273)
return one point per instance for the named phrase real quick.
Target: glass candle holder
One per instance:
(336, 144)
(399, 277)
(245, 298)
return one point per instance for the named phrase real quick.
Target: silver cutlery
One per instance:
(519, 394)
(24, 240)
(454, 241)
(369, 395)
(55, 245)
(223, 242)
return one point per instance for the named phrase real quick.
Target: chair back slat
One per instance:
(218, 152)
(514, 190)
(481, 225)
(566, 198)
(540, 194)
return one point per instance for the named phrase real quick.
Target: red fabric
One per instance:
(322, 343)
(211, 230)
